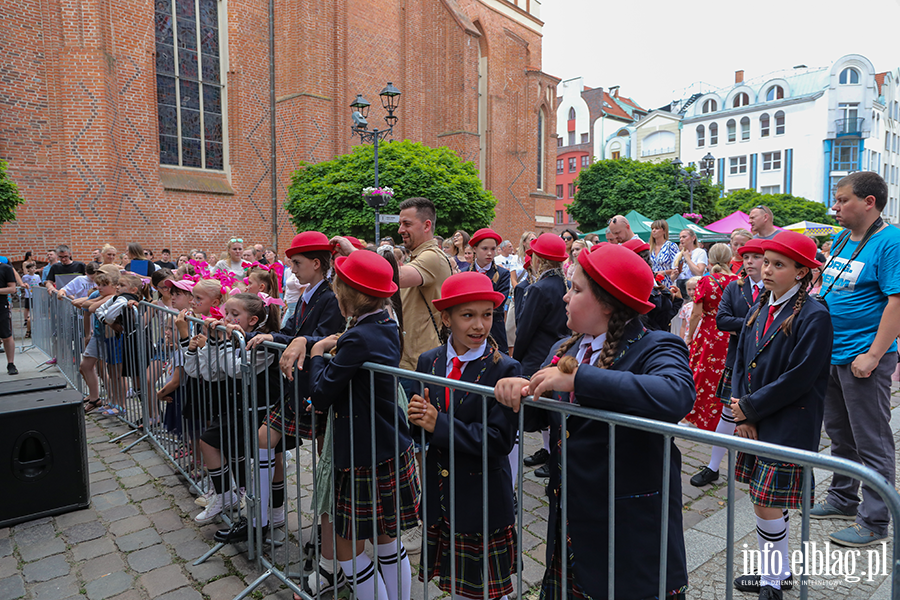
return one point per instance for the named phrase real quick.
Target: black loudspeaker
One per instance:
(43, 455)
(27, 386)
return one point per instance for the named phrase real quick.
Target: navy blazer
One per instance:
(733, 309)
(542, 322)
(468, 435)
(500, 278)
(322, 318)
(651, 379)
(519, 297)
(374, 339)
(781, 379)
(665, 307)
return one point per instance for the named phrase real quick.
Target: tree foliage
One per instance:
(611, 187)
(786, 209)
(327, 196)
(10, 199)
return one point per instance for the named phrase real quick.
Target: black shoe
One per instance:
(750, 583)
(770, 593)
(11, 369)
(705, 477)
(239, 532)
(542, 471)
(538, 458)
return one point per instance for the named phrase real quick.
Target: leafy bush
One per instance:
(786, 209)
(10, 198)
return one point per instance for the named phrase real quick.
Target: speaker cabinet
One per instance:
(27, 386)
(43, 455)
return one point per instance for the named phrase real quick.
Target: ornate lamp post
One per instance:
(692, 178)
(390, 99)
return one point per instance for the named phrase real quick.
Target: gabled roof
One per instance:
(879, 79)
(603, 105)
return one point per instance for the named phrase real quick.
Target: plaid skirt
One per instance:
(723, 390)
(377, 516)
(772, 484)
(286, 421)
(470, 559)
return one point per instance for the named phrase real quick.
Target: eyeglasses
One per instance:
(233, 240)
(568, 238)
(612, 221)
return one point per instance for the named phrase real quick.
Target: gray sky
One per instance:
(655, 49)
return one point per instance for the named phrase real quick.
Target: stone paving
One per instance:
(138, 540)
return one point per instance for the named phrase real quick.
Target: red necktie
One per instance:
(755, 293)
(455, 373)
(303, 309)
(585, 361)
(772, 310)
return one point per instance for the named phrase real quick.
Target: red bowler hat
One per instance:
(308, 241)
(753, 246)
(622, 273)
(550, 247)
(636, 245)
(355, 242)
(367, 272)
(485, 233)
(596, 246)
(468, 286)
(795, 246)
(527, 264)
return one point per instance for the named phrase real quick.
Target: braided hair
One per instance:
(802, 297)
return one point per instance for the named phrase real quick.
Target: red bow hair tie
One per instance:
(216, 313)
(269, 300)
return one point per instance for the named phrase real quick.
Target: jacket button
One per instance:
(445, 473)
(568, 433)
(753, 365)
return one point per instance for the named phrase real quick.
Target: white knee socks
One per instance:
(773, 542)
(726, 426)
(389, 565)
(365, 579)
(545, 434)
(266, 473)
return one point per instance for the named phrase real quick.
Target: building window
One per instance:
(849, 76)
(540, 150)
(616, 155)
(573, 164)
(571, 190)
(770, 189)
(732, 136)
(845, 156)
(559, 217)
(571, 138)
(771, 161)
(189, 87)
(701, 136)
(745, 128)
(740, 100)
(710, 106)
(737, 165)
(779, 123)
(713, 134)
(764, 125)
(776, 92)
(585, 161)
(559, 191)
(571, 114)
(585, 138)
(560, 166)
(558, 142)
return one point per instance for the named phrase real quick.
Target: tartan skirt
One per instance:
(286, 421)
(470, 559)
(772, 484)
(391, 480)
(723, 390)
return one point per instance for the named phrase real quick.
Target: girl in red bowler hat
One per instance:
(363, 283)
(485, 242)
(467, 304)
(612, 362)
(780, 375)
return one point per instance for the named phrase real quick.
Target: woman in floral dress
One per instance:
(710, 346)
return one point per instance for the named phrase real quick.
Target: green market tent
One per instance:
(639, 225)
(677, 223)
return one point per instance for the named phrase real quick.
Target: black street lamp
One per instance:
(692, 178)
(390, 99)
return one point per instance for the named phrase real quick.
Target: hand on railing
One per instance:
(552, 379)
(510, 391)
(293, 355)
(182, 324)
(746, 430)
(422, 412)
(198, 341)
(324, 346)
(258, 339)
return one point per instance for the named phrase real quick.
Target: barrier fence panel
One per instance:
(228, 414)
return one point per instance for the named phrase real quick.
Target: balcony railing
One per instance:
(655, 151)
(851, 126)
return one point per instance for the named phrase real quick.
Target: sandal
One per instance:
(92, 405)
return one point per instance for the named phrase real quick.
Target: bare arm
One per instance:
(410, 277)
(696, 268)
(696, 314)
(888, 330)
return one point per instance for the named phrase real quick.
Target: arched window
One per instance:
(540, 150)
(849, 76)
(713, 134)
(745, 128)
(571, 114)
(701, 136)
(741, 99)
(776, 92)
(764, 125)
(710, 106)
(779, 123)
(732, 136)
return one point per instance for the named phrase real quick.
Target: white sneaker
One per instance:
(288, 456)
(206, 498)
(215, 507)
(321, 581)
(412, 541)
(277, 516)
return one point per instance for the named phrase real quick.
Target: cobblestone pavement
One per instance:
(138, 540)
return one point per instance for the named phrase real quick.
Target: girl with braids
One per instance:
(781, 372)
(710, 346)
(467, 304)
(615, 364)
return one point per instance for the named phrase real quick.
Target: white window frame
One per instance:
(771, 161)
(737, 165)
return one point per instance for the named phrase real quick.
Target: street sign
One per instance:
(388, 218)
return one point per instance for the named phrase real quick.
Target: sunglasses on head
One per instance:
(233, 240)
(612, 221)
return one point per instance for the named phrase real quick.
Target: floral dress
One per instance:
(708, 350)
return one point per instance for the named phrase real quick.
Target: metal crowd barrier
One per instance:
(288, 551)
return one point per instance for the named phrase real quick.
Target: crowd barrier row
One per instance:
(232, 394)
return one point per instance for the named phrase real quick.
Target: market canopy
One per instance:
(736, 220)
(639, 225)
(811, 228)
(677, 223)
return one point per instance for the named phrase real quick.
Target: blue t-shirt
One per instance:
(858, 298)
(98, 326)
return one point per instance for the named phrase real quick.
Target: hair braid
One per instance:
(614, 333)
(802, 295)
(564, 347)
(763, 301)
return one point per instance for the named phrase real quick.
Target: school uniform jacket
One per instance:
(781, 380)
(664, 310)
(542, 322)
(374, 339)
(651, 379)
(519, 297)
(500, 278)
(467, 442)
(733, 309)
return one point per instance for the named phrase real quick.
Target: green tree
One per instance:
(327, 196)
(611, 187)
(786, 209)
(10, 198)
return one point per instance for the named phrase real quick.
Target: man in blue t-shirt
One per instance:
(864, 300)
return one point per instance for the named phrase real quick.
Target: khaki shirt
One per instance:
(419, 333)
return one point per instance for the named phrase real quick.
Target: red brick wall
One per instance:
(78, 123)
